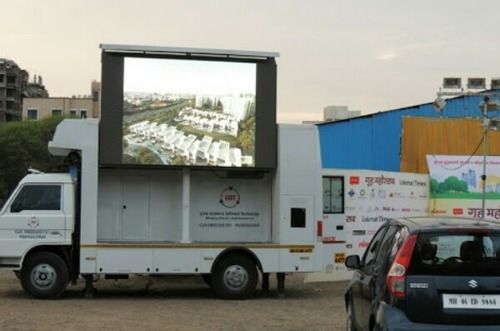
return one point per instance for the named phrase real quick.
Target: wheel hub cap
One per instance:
(235, 277)
(43, 276)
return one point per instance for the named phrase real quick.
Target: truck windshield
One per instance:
(464, 254)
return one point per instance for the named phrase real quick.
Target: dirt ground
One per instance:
(180, 303)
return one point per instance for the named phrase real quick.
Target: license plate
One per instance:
(471, 301)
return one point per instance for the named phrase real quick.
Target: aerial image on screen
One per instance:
(189, 112)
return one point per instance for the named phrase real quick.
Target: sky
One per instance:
(368, 55)
(188, 76)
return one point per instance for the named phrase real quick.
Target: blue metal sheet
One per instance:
(374, 141)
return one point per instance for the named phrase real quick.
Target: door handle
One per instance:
(124, 207)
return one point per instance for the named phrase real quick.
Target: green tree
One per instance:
(246, 141)
(178, 160)
(146, 156)
(24, 145)
(453, 184)
(463, 187)
(434, 186)
(246, 136)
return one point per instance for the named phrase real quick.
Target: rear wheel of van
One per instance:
(235, 277)
(45, 275)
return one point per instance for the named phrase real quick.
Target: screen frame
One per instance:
(111, 123)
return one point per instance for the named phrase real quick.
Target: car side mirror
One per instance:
(352, 262)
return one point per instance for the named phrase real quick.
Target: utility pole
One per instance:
(485, 153)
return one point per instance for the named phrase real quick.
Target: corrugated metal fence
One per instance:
(374, 141)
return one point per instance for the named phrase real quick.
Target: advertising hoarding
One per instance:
(369, 198)
(456, 186)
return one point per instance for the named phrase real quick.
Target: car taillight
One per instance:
(397, 273)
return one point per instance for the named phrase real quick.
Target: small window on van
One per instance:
(333, 194)
(298, 218)
(37, 197)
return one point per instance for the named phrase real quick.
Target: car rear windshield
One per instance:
(465, 253)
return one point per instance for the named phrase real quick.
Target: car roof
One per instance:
(447, 223)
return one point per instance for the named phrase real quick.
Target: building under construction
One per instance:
(14, 86)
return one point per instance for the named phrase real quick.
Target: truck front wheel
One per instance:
(235, 277)
(45, 275)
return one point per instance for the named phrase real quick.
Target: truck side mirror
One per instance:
(352, 262)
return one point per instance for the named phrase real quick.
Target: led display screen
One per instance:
(188, 112)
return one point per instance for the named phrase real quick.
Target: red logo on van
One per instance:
(458, 211)
(354, 180)
(350, 219)
(229, 197)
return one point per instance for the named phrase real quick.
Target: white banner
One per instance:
(370, 198)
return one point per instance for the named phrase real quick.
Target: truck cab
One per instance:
(39, 211)
(38, 218)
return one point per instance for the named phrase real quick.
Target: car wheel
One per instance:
(45, 276)
(235, 277)
(350, 318)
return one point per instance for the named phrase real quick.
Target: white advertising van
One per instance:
(113, 222)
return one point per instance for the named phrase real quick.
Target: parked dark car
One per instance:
(427, 274)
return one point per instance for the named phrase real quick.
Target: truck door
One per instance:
(297, 227)
(334, 228)
(135, 221)
(333, 210)
(35, 215)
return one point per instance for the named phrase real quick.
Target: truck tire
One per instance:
(235, 277)
(44, 275)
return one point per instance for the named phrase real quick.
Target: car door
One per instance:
(363, 280)
(377, 289)
(35, 215)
